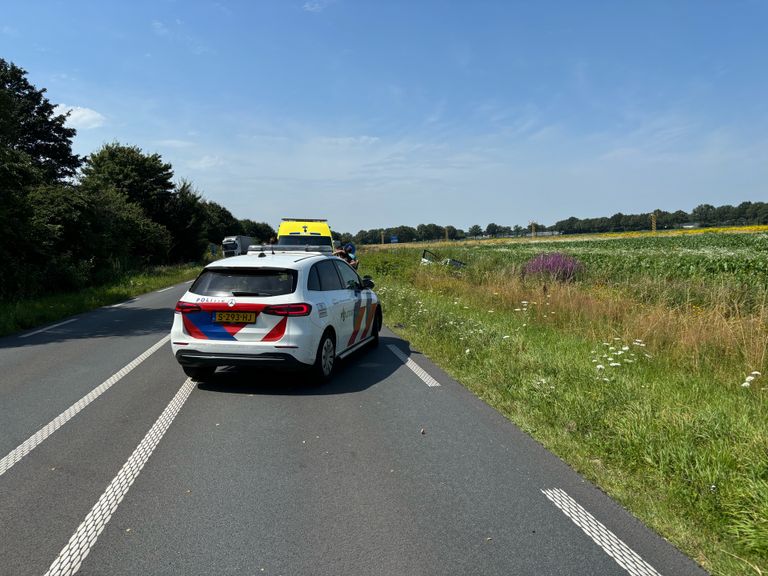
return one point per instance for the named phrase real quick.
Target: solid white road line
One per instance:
(33, 441)
(164, 289)
(72, 555)
(418, 370)
(47, 328)
(607, 540)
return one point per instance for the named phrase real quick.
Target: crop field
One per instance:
(644, 366)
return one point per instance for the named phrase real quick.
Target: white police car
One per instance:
(286, 307)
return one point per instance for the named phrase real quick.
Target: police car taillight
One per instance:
(288, 310)
(186, 307)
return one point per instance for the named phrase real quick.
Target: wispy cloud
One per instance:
(206, 162)
(316, 6)
(174, 143)
(81, 118)
(178, 35)
(159, 28)
(6, 30)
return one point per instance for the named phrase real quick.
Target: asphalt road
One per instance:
(113, 462)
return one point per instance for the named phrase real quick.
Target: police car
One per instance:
(278, 306)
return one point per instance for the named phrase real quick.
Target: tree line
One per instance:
(68, 222)
(704, 215)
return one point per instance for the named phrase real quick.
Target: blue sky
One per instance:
(376, 114)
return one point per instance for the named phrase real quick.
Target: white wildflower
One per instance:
(504, 337)
(625, 348)
(745, 385)
(466, 351)
(600, 367)
(615, 364)
(749, 379)
(755, 373)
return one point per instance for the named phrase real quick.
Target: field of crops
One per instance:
(647, 370)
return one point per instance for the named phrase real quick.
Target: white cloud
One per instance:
(348, 141)
(316, 6)
(174, 143)
(159, 28)
(206, 162)
(81, 118)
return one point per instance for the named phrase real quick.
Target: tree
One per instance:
(185, 220)
(143, 178)
(475, 230)
(492, 229)
(29, 124)
(219, 222)
(260, 231)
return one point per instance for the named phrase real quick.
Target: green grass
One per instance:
(28, 313)
(671, 433)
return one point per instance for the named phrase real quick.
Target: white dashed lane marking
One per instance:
(418, 370)
(47, 328)
(607, 540)
(33, 441)
(164, 289)
(72, 555)
(123, 303)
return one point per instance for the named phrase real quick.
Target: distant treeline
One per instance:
(705, 215)
(68, 222)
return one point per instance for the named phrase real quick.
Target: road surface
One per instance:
(113, 462)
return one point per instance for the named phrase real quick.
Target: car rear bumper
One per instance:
(266, 359)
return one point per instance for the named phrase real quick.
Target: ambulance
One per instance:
(304, 232)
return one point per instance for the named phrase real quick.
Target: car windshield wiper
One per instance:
(245, 293)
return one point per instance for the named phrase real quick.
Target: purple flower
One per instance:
(553, 265)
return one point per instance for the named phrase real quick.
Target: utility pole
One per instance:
(382, 236)
(446, 233)
(653, 221)
(533, 229)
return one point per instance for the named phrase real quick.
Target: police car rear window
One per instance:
(245, 282)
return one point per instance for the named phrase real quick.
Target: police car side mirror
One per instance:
(368, 283)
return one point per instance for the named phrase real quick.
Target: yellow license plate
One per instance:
(235, 317)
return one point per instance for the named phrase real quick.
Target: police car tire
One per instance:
(377, 321)
(325, 360)
(199, 372)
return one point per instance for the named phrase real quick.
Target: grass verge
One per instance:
(659, 419)
(28, 313)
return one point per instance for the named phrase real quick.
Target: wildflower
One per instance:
(600, 367)
(749, 379)
(466, 351)
(615, 364)
(518, 309)
(755, 373)
(504, 337)
(745, 385)
(625, 348)
(524, 302)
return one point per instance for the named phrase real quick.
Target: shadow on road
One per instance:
(357, 372)
(101, 323)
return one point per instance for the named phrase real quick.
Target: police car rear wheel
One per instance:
(377, 322)
(326, 357)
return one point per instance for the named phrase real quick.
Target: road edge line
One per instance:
(15, 455)
(82, 541)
